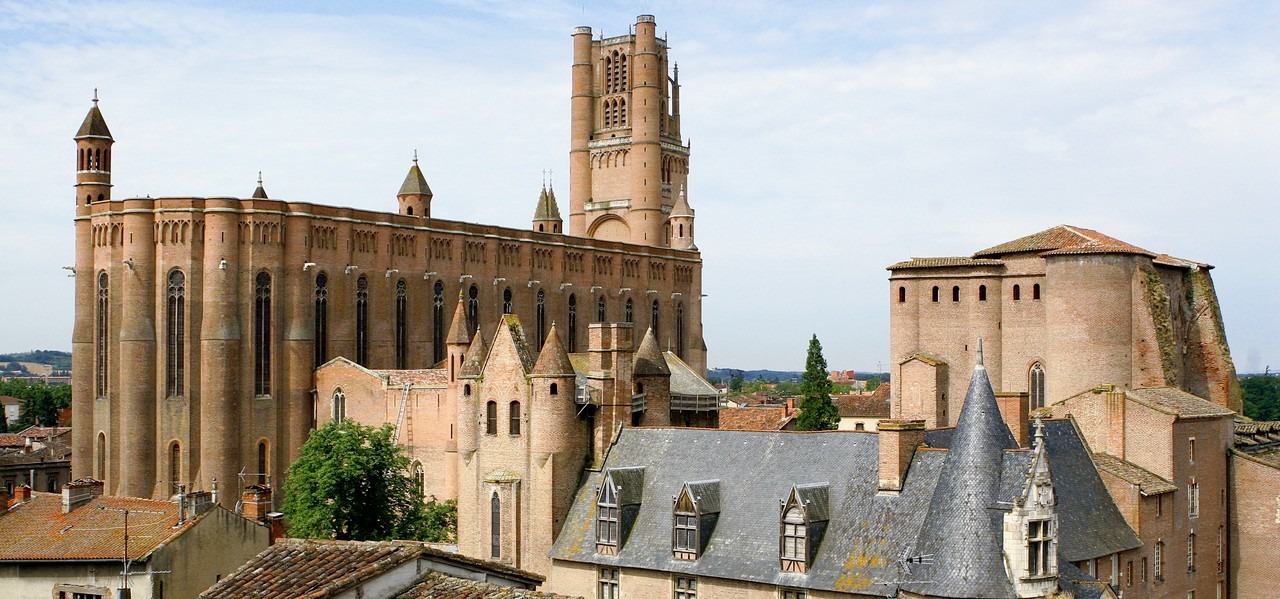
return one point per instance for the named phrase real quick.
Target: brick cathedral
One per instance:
(200, 320)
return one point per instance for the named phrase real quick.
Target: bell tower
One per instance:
(627, 159)
(93, 158)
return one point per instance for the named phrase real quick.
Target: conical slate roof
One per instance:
(94, 125)
(553, 360)
(961, 530)
(414, 182)
(682, 205)
(649, 360)
(260, 193)
(547, 208)
(477, 354)
(458, 328)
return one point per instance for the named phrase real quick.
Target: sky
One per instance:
(829, 139)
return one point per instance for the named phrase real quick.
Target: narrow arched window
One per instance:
(573, 323)
(541, 318)
(1017, 292)
(419, 479)
(555, 389)
(680, 330)
(1035, 395)
(264, 469)
(321, 315)
(1035, 291)
(339, 405)
(902, 295)
(402, 324)
(491, 418)
(515, 418)
(100, 458)
(935, 294)
(982, 293)
(495, 526)
(630, 311)
(362, 321)
(262, 335)
(175, 466)
(473, 310)
(955, 293)
(600, 309)
(437, 323)
(506, 301)
(654, 318)
(175, 321)
(100, 336)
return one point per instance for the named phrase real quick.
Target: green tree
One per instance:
(351, 482)
(735, 381)
(1261, 397)
(873, 383)
(40, 401)
(817, 413)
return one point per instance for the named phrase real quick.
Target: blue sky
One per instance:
(829, 139)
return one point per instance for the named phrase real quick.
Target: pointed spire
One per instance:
(260, 193)
(458, 328)
(414, 182)
(649, 360)
(547, 208)
(681, 208)
(477, 354)
(94, 125)
(553, 360)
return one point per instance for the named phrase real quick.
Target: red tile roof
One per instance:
(42, 432)
(12, 440)
(754, 418)
(38, 530)
(943, 262)
(874, 405)
(1065, 239)
(432, 376)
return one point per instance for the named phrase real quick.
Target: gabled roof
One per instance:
(547, 208)
(510, 337)
(1177, 402)
(474, 360)
(681, 207)
(766, 417)
(94, 125)
(648, 360)
(435, 585)
(428, 377)
(929, 359)
(816, 499)
(875, 405)
(553, 360)
(1148, 483)
(705, 495)
(37, 530)
(1065, 239)
(685, 381)
(414, 182)
(458, 326)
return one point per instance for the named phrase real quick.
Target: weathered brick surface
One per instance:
(1255, 527)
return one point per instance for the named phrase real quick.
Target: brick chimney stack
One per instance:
(79, 492)
(22, 494)
(899, 439)
(255, 502)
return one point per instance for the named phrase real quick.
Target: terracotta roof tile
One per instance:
(1065, 239)
(1148, 483)
(416, 378)
(434, 585)
(1259, 441)
(12, 440)
(943, 262)
(42, 432)
(1178, 402)
(754, 418)
(862, 406)
(38, 530)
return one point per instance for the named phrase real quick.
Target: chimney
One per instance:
(1013, 410)
(22, 494)
(1115, 400)
(255, 502)
(898, 439)
(275, 520)
(79, 492)
(198, 502)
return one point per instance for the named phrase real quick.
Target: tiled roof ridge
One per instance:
(1148, 482)
(1173, 401)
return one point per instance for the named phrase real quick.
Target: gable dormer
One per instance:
(1031, 528)
(802, 523)
(617, 504)
(694, 514)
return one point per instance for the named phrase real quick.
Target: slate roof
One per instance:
(458, 326)
(434, 585)
(37, 530)
(314, 569)
(475, 358)
(547, 208)
(94, 125)
(868, 532)
(943, 262)
(685, 381)
(1148, 483)
(1178, 403)
(648, 359)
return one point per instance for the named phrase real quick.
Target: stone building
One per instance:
(900, 512)
(199, 321)
(1254, 510)
(1060, 311)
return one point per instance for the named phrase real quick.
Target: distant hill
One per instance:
(59, 360)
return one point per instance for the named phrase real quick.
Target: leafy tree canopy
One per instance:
(351, 482)
(1261, 397)
(817, 413)
(40, 401)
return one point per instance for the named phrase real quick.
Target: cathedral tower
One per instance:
(626, 158)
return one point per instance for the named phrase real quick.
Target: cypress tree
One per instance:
(817, 413)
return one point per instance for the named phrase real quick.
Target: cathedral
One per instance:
(200, 321)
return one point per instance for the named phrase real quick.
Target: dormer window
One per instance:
(607, 518)
(802, 522)
(617, 504)
(694, 516)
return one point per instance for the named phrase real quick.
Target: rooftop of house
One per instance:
(314, 569)
(1055, 241)
(1148, 483)
(770, 417)
(1259, 441)
(434, 585)
(872, 405)
(37, 530)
